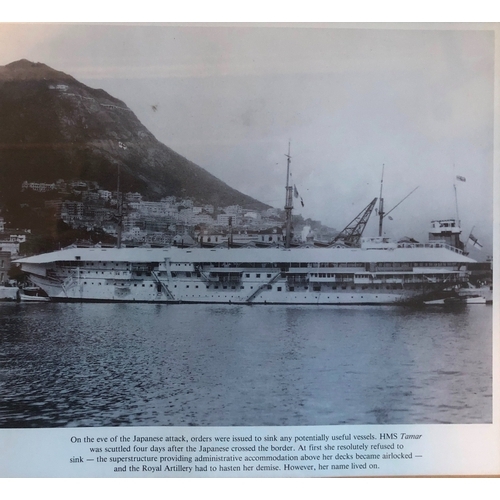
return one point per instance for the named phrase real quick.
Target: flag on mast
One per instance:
(474, 240)
(460, 178)
(296, 194)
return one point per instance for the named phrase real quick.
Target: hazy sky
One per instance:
(419, 101)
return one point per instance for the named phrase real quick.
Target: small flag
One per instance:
(295, 192)
(390, 218)
(460, 178)
(301, 201)
(474, 241)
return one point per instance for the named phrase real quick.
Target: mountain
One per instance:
(54, 127)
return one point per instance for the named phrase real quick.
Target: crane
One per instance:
(352, 233)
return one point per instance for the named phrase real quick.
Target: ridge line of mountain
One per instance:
(55, 127)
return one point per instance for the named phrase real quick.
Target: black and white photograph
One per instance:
(246, 227)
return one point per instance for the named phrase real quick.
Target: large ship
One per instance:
(378, 272)
(351, 270)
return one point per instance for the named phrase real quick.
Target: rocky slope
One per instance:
(54, 127)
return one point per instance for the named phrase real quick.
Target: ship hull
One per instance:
(329, 276)
(195, 291)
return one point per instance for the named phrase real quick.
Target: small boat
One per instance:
(33, 294)
(32, 298)
(437, 302)
(457, 301)
(473, 292)
(475, 299)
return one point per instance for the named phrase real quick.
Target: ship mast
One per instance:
(456, 203)
(455, 177)
(119, 210)
(381, 205)
(288, 201)
(119, 204)
(381, 213)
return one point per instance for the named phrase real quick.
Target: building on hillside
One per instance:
(182, 240)
(105, 195)
(252, 214)
(202, 218)
(225, 219)
(11, 243)
(91, 197)
(133, 197)
(78, 186)
(271, 212)
(233, 210)
(5, 263)
(169, 200)
(272, 235)
(40, 187)
(72, 211)
(134, 234)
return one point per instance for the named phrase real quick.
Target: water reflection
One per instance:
(148, 364)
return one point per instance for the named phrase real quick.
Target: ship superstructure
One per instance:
(379, 272)
(446, 231)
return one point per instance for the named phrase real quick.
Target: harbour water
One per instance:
(108, 364)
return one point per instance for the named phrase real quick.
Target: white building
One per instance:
(10, 246)
(170, 200)
(202, 218)
(271, 212)
(233, 210)
(223, 219)
(40, 187)
(153, 208)
(252, 214)
(105, 194)
(133, 197)
(135, 234)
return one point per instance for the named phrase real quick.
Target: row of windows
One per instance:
(281, 265)
(260, 265)
(252, 264)
(285, 265)
(315, 288)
